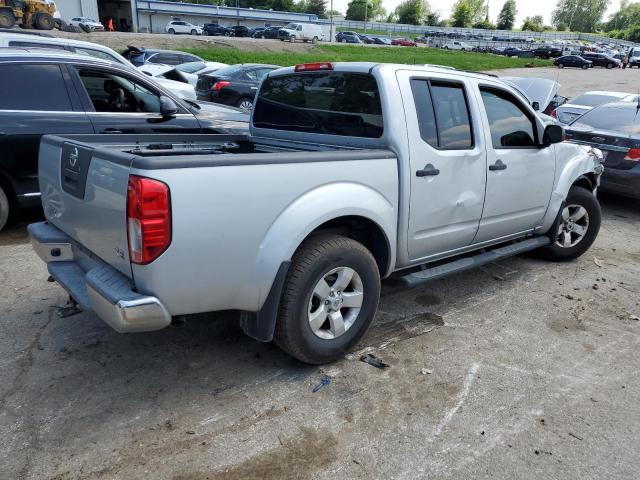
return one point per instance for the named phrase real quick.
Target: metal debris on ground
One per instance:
(426, 371)
(597, 261)
(634, 317)
(373, 360)
(325, 380)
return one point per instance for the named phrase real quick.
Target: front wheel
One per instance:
(314, 40)
(584, 67)
(194, 32)
(292, 38)
(329, 299)
(561, 65)
(245, 104)
(172, 31)
(609, 66)
(578, 226)
(7, 20)
(43, 21)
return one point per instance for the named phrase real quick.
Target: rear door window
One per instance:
(333, 103)
(38, 87)
(443, 114)
(50, 46)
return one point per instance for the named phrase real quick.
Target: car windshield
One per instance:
(229, 71)
(291, 26)
(620, 117)
(593, 100)
(191, 67)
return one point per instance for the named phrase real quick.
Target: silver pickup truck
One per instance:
(352, 172)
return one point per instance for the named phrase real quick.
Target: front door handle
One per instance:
(111, 130)
(498, 166)
(428, 171)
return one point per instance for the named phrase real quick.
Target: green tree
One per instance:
(562, 27)
(484, 24)
(356, 10)
(282, 5)
(579, 15)
(462, 16)
(432, 19)
(477, 9)
(628, 15)
(533, 24)
(507, 16)
(412, 12)
(316, 7)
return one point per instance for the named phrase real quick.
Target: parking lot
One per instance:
(520, 369)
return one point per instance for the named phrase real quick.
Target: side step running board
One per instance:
(417, 278)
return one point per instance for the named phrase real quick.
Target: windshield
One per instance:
(229, 71)
(619, 117)
(191, 67)
(291, 26)
(333, 103)
(593, 100)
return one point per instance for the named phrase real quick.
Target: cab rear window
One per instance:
(332, 103)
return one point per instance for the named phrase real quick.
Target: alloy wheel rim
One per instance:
(573, 226)
(335, 303)
(246, 105)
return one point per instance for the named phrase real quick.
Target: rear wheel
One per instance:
(43, 21)
(561, 65)
(194, 32)
(578, 226)
(585, 66)
(5, 208)
(7, 20)
(609, 66)
(329, 299)
(245, 104)
(314, 40)
(172, 31)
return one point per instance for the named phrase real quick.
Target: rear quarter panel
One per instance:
(234, 225)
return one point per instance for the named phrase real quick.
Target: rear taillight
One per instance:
(312, 67)
(554, 114)
(220, 85)
(148, 219)
(633, 154)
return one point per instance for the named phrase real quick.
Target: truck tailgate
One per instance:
(84, 194)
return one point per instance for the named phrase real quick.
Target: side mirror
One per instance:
(535, 106)
(552, 134)
(168, 107)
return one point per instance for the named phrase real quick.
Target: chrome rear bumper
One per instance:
(95, 285)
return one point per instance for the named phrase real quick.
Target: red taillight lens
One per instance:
(148, 219)
(220, 85)
(633, 154)
(310, 67)
(554, 114)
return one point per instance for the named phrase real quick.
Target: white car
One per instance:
(457, 45)
(170, 78)
(180, 26)
(86, 24)
(191, 70)
(581, 104)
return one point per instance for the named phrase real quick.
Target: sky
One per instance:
(526, 8)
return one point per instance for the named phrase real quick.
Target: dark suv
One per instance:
(547, 52)
(343, 36)
(602, 60)
(269, 32)
(60, 93)
(240, 31)
(214, 29)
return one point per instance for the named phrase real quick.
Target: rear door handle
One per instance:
(428, 171)
(498, 166)
(111, 130)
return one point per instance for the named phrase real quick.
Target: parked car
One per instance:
(307, 32)
(191, 70)
(403, 42)
(256, 31)
(541, 92)
(457, 45)
(336, 188)
(269, 32)
(573, 61)
(86, 24)
(139, 56)
(381, 41)
(340, 36)
(239, 31)
(85, 48)
(164, 74)
(633, 57)
(518, 52)
(365, 39)
(353, 39)
(581, 104)
(180, 26)
(546, 51)
(83, 95)
(614, 129)
(214, 30)
(235, 85)
(602, 60)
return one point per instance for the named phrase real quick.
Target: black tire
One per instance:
(194, 32)
(5, 208)
(85, 28)
(244, 100)
(171, 31)
(585, 66)
(314, 259)
(292, 38)
(7, 20)
(584, 198)
(609, 66)
(561, 65)
(59, 24)
(314, 40)
(43, 21)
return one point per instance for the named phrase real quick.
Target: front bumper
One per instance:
(95, 285)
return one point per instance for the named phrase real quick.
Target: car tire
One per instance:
(171, 31)
(310, 288)
(43, 21)
(314, 40)
(561, 65)
(446, 48)
(585, 67)
(194, 32)
(577, 227)
(292, 38)
(609, 66)
(5, 208)
(245, 104)
(7, 20)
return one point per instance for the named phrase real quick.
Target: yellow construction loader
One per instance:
(27, 14)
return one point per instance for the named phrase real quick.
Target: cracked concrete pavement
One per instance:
(534, 375)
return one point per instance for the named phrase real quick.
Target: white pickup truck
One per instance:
(352, 172)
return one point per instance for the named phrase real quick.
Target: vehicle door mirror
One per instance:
(535, 106)
(168, 107)
(552, 134)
